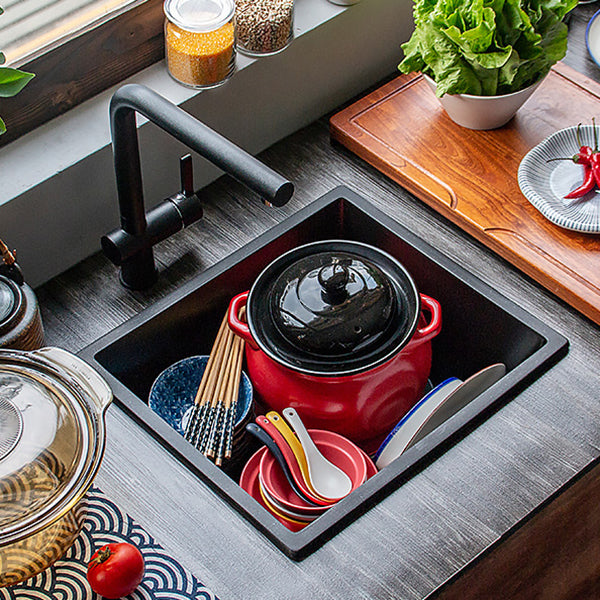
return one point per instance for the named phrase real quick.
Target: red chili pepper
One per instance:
(584, 157)
(595, 164)
(591, 178)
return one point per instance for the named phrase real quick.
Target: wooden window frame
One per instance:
(84, 66)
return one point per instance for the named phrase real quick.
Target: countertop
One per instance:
(451, 528)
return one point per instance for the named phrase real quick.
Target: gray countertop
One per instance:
(427, 530)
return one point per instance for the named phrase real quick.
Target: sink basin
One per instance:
(480, 327)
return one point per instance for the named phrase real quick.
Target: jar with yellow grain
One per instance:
(200, 41)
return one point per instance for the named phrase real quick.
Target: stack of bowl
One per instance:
(172, 397)
(264, 479)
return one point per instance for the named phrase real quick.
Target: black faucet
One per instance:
(130, 247)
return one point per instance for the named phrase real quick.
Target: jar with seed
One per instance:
(264, 27)
(200, 41)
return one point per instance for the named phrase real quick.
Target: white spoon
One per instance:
(328, 481)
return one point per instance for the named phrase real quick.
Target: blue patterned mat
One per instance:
(105, 522)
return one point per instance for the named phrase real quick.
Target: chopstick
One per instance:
(212, 424)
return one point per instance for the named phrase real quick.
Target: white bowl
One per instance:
(483, 112)
(592, 38)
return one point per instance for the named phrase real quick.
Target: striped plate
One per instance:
(545, 184)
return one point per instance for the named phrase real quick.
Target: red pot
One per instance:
(338, 331)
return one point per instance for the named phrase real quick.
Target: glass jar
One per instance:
(264, 27)
(200, 41)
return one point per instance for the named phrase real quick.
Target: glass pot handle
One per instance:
(434, 326)
(238, 326)
(98, 390)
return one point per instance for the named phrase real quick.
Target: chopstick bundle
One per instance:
(212, 422)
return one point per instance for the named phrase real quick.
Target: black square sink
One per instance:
(480, 327)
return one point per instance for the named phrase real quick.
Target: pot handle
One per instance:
(434, 326)
(98, 390)
(238, 326)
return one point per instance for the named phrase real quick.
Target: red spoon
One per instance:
(290, 459)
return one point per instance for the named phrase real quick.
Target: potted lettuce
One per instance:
(12, 81)
(486, 48)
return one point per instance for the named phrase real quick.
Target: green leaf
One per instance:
(485, 47)
(12, 81)
(2, 127)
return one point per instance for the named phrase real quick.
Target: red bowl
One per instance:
(250, 483)
(336, 448)
(283, 512)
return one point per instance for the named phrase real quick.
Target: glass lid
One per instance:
(45, 437)
(333, 308)
(199, 15)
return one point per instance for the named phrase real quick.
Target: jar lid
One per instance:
(333, 307)
(199, 15)
(11, 303)
(50, 442)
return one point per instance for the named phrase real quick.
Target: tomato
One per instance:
(116, 570)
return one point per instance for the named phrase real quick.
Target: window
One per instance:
(76, 48)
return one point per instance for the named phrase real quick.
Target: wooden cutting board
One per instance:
(470, 177)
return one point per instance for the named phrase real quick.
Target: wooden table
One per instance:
(511, 511)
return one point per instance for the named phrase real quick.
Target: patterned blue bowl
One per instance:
(173, 392)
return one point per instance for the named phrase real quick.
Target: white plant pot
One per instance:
(483, 112)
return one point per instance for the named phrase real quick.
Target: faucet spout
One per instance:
(131, 246)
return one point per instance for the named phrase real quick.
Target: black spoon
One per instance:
(269, 442)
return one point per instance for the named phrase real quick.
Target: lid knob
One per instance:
(333, 279)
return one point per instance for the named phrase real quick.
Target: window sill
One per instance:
(58, 180)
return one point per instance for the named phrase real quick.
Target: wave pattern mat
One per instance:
(164, 578)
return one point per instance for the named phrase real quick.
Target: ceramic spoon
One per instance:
(291, 465)
(328, 480)
(268, 441)
(296, 447)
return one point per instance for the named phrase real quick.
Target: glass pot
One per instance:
(338, 331)
(52, 438)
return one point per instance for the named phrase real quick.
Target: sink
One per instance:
(480, 327)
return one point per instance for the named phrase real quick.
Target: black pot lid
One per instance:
(333, 307)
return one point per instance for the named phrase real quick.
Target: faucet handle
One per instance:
(188, 204)
(186, 170)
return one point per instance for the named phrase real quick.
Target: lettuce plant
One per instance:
(12, 81)
(486, 47)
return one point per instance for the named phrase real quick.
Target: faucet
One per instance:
(130, 246)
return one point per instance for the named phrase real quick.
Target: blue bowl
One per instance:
(174, 390)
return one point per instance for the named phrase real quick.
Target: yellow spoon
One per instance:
(290, 437)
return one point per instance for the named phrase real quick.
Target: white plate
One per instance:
(397, 440)
(434, 409)
(545, 184)
(592, 37)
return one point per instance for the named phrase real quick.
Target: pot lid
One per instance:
(333, 307)
(50, 440)
(332, 303)
(11, 300)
